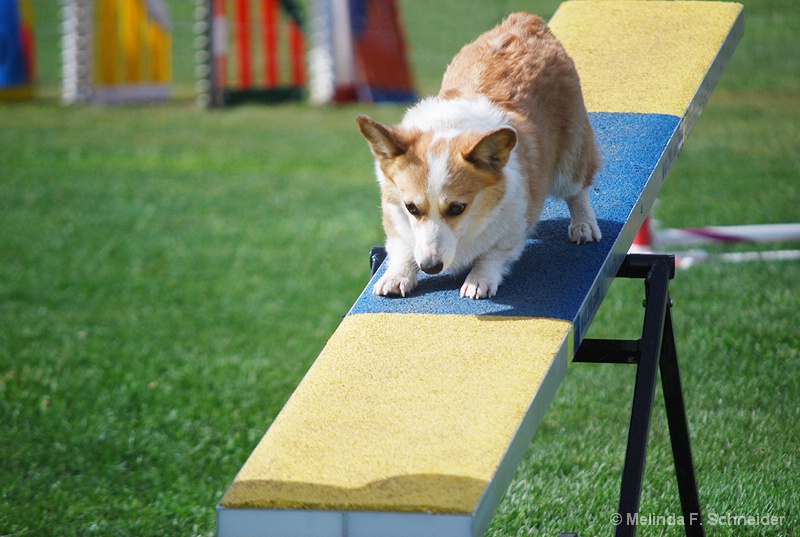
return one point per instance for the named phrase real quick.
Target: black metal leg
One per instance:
(679, 433)
(653, 352)
(376, 257)
(657, 297)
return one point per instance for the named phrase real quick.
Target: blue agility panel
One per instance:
(554, 276)
(413, 419)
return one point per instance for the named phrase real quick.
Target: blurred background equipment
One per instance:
(115, 51)
(17, 50)
(358, 53)
(249, 51)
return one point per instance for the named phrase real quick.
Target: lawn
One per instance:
(168, 274)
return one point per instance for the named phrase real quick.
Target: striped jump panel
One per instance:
(414, 417)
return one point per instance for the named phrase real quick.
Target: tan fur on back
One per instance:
(524, 70)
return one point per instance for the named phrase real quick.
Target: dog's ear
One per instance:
(384, 141)
(493, 150)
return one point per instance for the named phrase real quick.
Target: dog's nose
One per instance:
(434, 268)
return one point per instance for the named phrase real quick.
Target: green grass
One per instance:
(168, 274)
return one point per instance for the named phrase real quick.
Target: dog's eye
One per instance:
(455, 209)
(412, 209)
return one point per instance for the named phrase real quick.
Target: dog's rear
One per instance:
(508, 127)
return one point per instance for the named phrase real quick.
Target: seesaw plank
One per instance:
(417, 412)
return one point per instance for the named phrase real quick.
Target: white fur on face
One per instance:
(434, 240)
(438, 175)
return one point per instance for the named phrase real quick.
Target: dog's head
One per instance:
(438, 188)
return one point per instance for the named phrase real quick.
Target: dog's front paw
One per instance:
(583, 232)
(479, 286)
(395, 285)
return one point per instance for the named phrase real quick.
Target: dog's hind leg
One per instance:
(583, 224)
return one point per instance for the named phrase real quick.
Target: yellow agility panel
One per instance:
(409, 413)
(105, 45)
(643, 57)
(131, 46)
(160, 55)
(132, 19)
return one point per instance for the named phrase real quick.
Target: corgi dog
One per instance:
(465, 174)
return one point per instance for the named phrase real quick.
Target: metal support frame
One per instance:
(377, 255)
(653, 352)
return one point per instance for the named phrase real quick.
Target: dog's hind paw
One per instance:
(394, 285)
(583, 232)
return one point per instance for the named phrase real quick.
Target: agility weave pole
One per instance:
(115, 51)
(420, 436)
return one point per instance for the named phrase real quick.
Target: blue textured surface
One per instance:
(554, 276)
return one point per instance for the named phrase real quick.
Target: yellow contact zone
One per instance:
(642, 57)
(401, 412)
